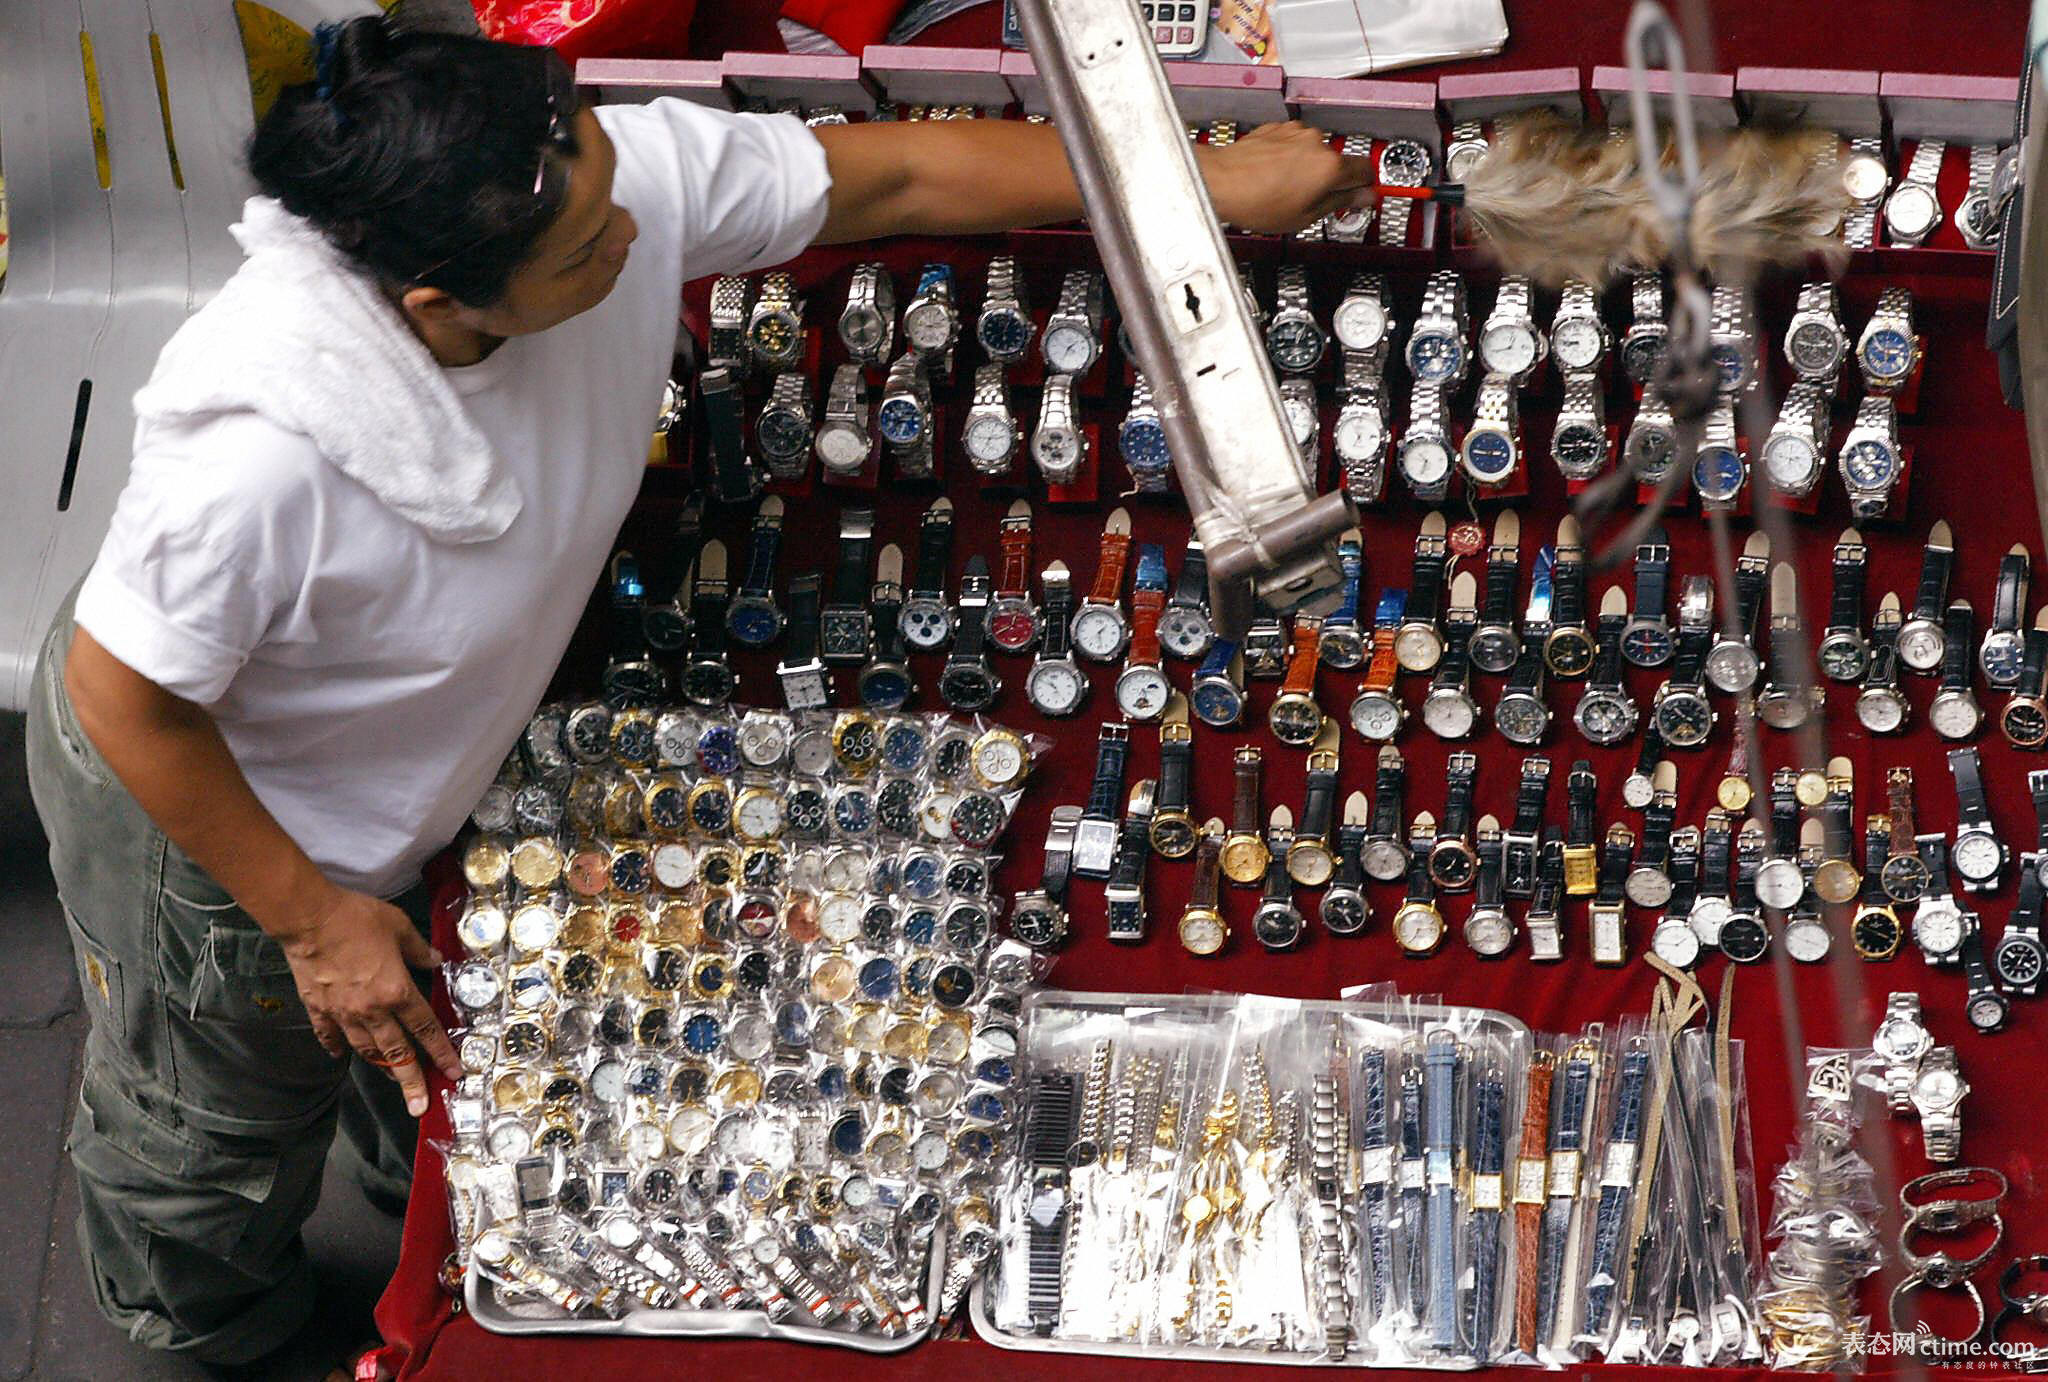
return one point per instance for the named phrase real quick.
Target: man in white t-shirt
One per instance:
(367, 499)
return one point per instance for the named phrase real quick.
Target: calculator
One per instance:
(1180, 28)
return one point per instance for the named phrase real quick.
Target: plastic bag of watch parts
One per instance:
(1614, 1182)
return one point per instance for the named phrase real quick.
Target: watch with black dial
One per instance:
(1605, 918)
(1954, 712)
(1377, 712)
(2019, 958)
(630, 678)
(885, 682)
(806, 685)
(1386, 853)
(967, 682)
(1905, 875)
(1124, 895)
(1203, 930)
(1521, 714)
(2024, 718)
(1418, 643)
(1978, 855)
(1173, 828)
(1278, 923)
(1778, 880)
(1924, 638)
(1881, 707)
(1743, 937)
(1340, 641)
(1142, 688)
(1012, 618)
(1651, 443)
(1003, 325)
(1519, 841)
(1295, 718)
(1711, 909)
(1488, 928)
(1100, 631)
(1642, 345)
(1673, 940)
(1265, 648)
(665, 617)
(1646, 641)
(1294, 338)
(1546, 933)
(1579, 443)
(1605, 714)
(926, 620)
(1345, 909)
(1494, 647)
(1449, 709)
(1039, 917)
(1185, 629)
(2004, 647)
(735, 479)
(782, 429)
(753, 619)
(1418, 926)
(845, 632)
(1056, 685)
(1985, 1006)
(1874, 931)
(1649, 883)
(1787, 699)
(1453, 862)
(1835, 880)
(1244, 848)
(1581, 859)
(1217, 694)
(1568, 648)
(708, 679)
(1844, 651)
(1095, 833)
(1309, 860)
(1683, 716)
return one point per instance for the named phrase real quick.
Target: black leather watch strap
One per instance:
(1617, 853)
(1660, 817)
(1454, 668)
(1464, 775)
(2008, 606)
(2034, 665)
(1176, 762)
(1112, 750)
(970, 617)
(1056, 634)
(1935, 565)
(805, 602)
(1192, 586)
(1877, 848)
(1784, 814)
(1883, 669)
(1426, 581)
(1487, 888)
(764, 547)
(856, 548)
(733, 480)
(1503, 566)
(1717, 850)
(1851, 575)
(1752, 579)
(1319, 803)
(885, 602)
(2037, 787)
(1607, 662)
(1749, 858)
(1390, 788)
(1134, 842)
(1568, 593)
(1582, 803)
(1421, 887)
(1968, 772)
(1653, 576)
(1838, 821)
(1933, 851)
(1684, 872)
(1350, 856)
(1958, 626)
(934, 551)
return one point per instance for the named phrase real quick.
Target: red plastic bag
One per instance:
(595, 28)
(852, 24)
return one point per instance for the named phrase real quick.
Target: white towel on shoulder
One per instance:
(302, 337)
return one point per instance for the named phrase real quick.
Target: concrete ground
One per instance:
(49, 1328)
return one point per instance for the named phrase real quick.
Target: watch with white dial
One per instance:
(1954, 712)
(991, 435)
(1072, 342)
(1056, 685)
(1424, 451)
(1793, 450)
(867, 324)
(926, 620)
(1732, 663)
(931, 319)
(1578, 338)
(1510, 344)
(1185, 630)
(1913, 209)
(1865, 178)
(1100, 630)
(1363, 322)
(1978, 855)
(1058, 446)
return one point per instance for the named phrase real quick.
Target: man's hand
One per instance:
(350, 959)
(1279, 178)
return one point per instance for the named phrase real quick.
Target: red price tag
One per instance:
(1466, 539)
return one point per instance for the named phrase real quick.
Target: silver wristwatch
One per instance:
(931, 319)
(1976, 215)
(1732, 340)
(1865, 178)
(1425, 450)
(907, 395)
(1869, 458)
(844, 443)
(1349, 226)
(1815, 343)
(1900, 1040)
(1361, 435)
(1510, 345)
(726, 347)
(1579, 443)
(1888, 351)
(1792, 451)
(1403, 163)
(1913, 210)
(1491, 451)
(1467, 146)
(1642, 345)
(1652, 440)
(1057, 445)
(1073, 333)
(1578, 338)
(1298, 402)
(867, 324)
(1142, 439)
(783, 428)
(1938, 1091)
(1363, 323)
(1294, 339)
(1436, 353)
(1720, 469)
(1003, 326)
(990, 437)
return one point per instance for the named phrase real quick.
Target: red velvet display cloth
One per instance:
(1968, 465)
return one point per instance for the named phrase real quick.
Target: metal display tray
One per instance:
(540, 1318)
(1497, 1023)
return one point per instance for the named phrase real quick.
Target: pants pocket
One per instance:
(242, 977)
(101, 980)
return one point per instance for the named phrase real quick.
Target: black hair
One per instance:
(416, 154)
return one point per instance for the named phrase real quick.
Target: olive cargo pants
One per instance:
(207, 1106)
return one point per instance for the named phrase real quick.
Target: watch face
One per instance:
(1278, 926)
(842, 447)
(1142, 691)
(1012, 624)
(1604, 717)
(900, 421)
(589, 734)
(774, 337)
(718, 750)
(1069, 349)
(1056, 688)
(1649, 451)
(807, 811)
(1341, 646)
(1568, 651)
(929, 327)
(1954, 715)
(1099, 632)
(1344, 911)
(989, 439)
(1887, 354)
(1360, 322)
(753, 622)
(1361, 434)
(783, 432)
(711, 808)
(1937, 1087)
(1641, 352)
(1185, 632)
(863, 330)
(967, 686)
(2025, 723)
(1173, 836)
(1418, 647)
(977, 819)
(1295, 719)
(1142, 440)
(1453, 865)
(884, 686)
(1882, 710)
(1685, 719)
(1576, 342)
(1708, 916)
(1875, 934)
(1295, 343)
(1509, 349)
(2001, 656)
(1911, 211)
(1435, 356)
(1732, 667)
(1216, 702)
(1521, 719)
(1843, 656)
(2018, 961)
(1489, 932)
(1376, 716)
(1489, 456)
(1815, 349)
(1646, 645)
(1057, 451)
(1202, 932)
(1404, 163)
(1676, 944)
(1000, 760)
(707, 683)
(1385, 859)
(1004, 333)
(1732, 364)
(1038, 922)
(1743, 938)
(1790, 462)
(1807, 940)
(925, 623)
(1938, 927)
(763, 740)
(1579, 448)
(1717, 473)
(1301, 417)
(1418, 928)
(759, 815)
(1870, 465)
(1978, 855)
(1784, 707)
(903, 746)
(1987, 1011)
(853, 811)
(1449, 714)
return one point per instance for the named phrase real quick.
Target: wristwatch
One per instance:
(1073, 333)
(1100, 632)
(846, 632)
(1579, 442)
(1185, 629)
(1361, 433)
(1095, 833)
(1376, 1177)
(1786, 700)
(885, 682)
(1363, 322)
(1984, 1005)
(1888, 352)
(1844, 651)
(708, 678)
(665, 619)
(1048, 1135)
(775, 326)
(2019, 958)
(1448, 709)
(991, 436)
(967, 682)
(1347, 226)
(1977, 215)
(1938, 1092)
(1652, 441)
(1924, 638)
(1682, 714)
(1278, 923)
(1265, 648)
(1056, 685)
(1340, 642)
(1870, 457)
(1744, 938)
(1732, 664)
(1617, 1182)
(1424, 451)
(1674, 941)
(754, 620)
(904, 417)
(2003, 648)
(1403, 163)
(1510, 345)
(844, 443)
(1605, 714)
(1642, 345)
(1546, 934)
(1245, 855)
(1173, 828)
(1954, 712)
(1309, 859)
(1494, 646)
(1568, 648)
(725, 346)
(1004, 325)
(1578, 338)
(1581, 860)
(1453, 862)
(1203, 931)
(1436, 342)
(1640, 785)
(1039, 917)
(1013, 620)
(1217, 694)
(1719, 469)
(1779, 881)
(1294, 338)
(1732, 340)
(2025, 717)
(1294, 717)
(1377, 712)
(867, 324)
(1901, 1041)
(1418, 926)
(1648, 884)
(805, 683)
(1124, 895)
(1345, 909)
(1865, 178)
(1875, 929)
(1488, 928)
(1521, 714)
(1792, 451)
(1058, 446)
(1647, 641)
(931, 319)
(1443, 1067)
(1519, 841)
(630, 678)
(1978, 854)
(1467, 146)
(1492, 452)
(1913, 210)
(1386, 854)
(1834, 879)
(1938, 922)
(1418, 643)
(1606, 925)
(1881, 707)
(1141, 438)
(1142, 688)
(1815, 342)
(783, 427)
(1713, 906)
(1571, 1115)
(735, 479)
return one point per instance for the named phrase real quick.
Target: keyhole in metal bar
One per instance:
(1194, 302)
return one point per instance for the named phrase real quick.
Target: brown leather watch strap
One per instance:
(1146, 607)
(1301, 665)
(1248, 774)
(1115, 554)
(1205, 889)
(1385, 667)
(1899, 797)
(1531, 1162)
(1014, 540)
